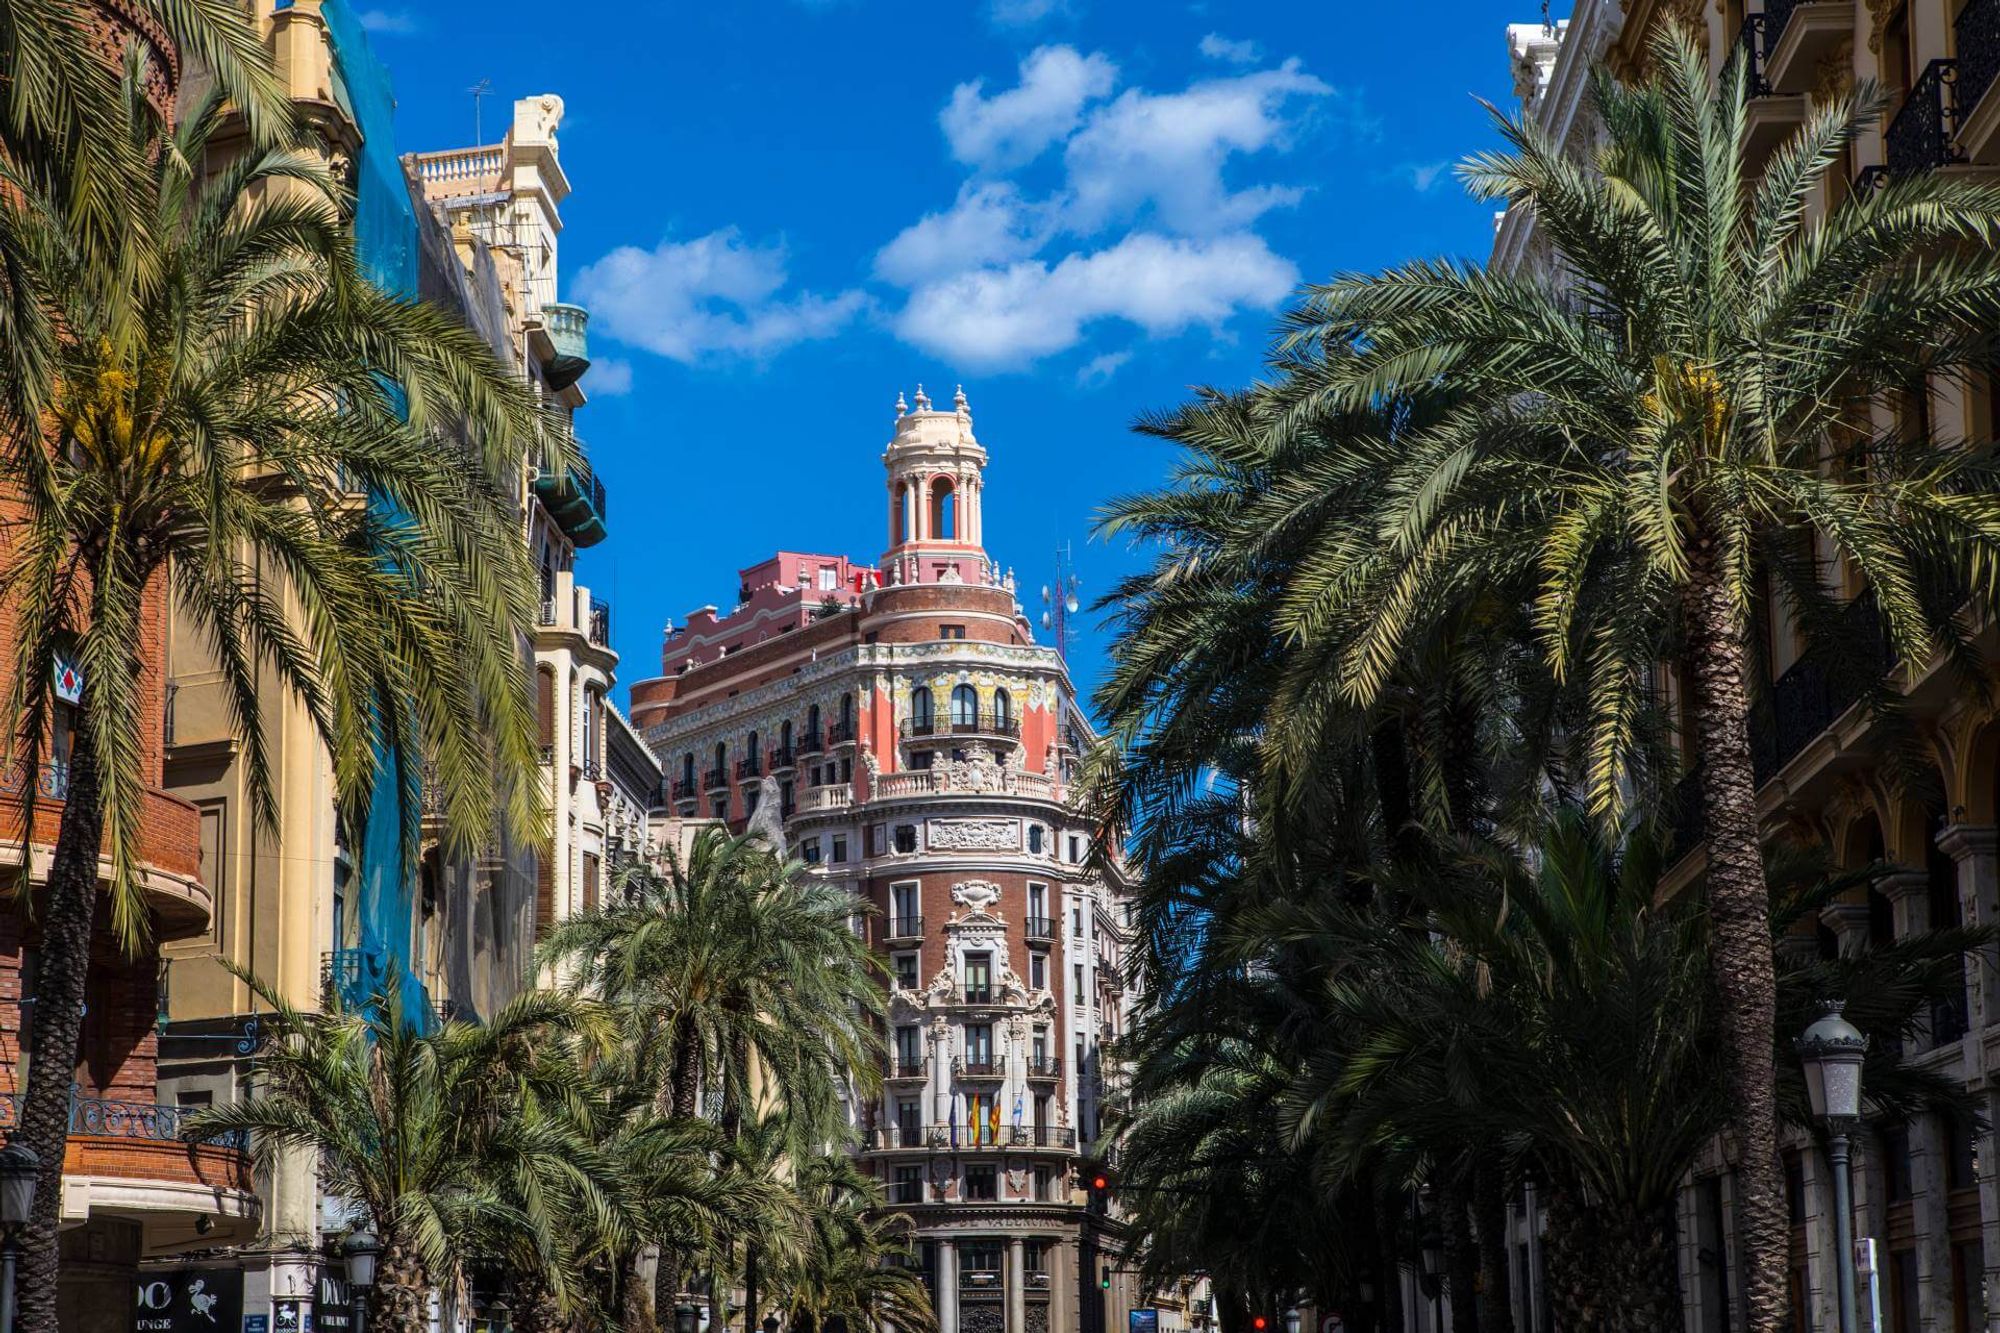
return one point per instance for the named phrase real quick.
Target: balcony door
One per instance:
(978, 976)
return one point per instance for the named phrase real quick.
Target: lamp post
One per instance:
(499, 1315)
(1832, 1051)
(1432, 1258)
(19, 1166)
(1292, 1320)
(687, 1319)
(361, 1248)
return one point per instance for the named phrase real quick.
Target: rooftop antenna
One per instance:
(1060, 602)
(481, 89)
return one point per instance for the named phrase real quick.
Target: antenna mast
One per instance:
(481, 89)
(1059, 601)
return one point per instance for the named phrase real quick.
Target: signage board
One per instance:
(332, 1312)
(189, 1300)
(1143, 1321)
(256, 1323)
(67, 678)
(293, 1315)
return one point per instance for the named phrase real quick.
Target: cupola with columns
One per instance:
(936, 474)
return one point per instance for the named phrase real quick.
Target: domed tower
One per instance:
(936, 474)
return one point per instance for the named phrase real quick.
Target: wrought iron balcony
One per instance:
(684, 789)
(1751, 46)
(840, 733)
(575, 499)
(749, 768)
(902, 1069)
(103, 1118)
(810, 742)
(1005, 725)
(1924, 134)
(600, 622)
(781, 758)
(968, 1137)
(1977, 29)
(568, 328)
(979, 994)
(1044, 1067)
(986, 1065)
(903, 928)
(1040, 927)
(714, 779)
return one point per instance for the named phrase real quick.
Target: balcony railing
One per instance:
(917, 1068)
(1751, 47)
(963, 1137)
(810, 742)
(548, 616)
(600, 622)
(575, 498)
(1777, 13)
(748, 768)
(980, 1278)
(980, 724)
(979, 994)
(1040, 927)
(685, 790)
(984, 1066)
(1044, 1067)
(568, 327)
(781, 758)
(840, 733)
(102, 1118)
(903, 928)
(714, 779)
(1924, 133)
(1977, 28)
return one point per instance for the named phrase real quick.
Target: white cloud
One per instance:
(1025, 13)
(715, 294)
(1423, 175)
(394, 22)
(1013, 127)
(1167, 151)
(1217, 47)
(1101, 368)
(989, 223)
(610, 377)
(998, 317)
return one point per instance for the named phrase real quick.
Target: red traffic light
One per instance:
(1259, 1322)
(1100, 1181)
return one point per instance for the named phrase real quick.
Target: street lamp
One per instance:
(1432, 1259)
(19, 1166)
(1292, 1320)
(499, 1315)
(361, 1248)
(687, 1319)
(1832, 1051)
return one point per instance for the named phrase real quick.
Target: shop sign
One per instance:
(256, 1323)
(190, 1300)
(294, 1315)
(332, 1313)
(1143, 1321)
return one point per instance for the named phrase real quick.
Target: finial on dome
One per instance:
(923, 400)
(902, 408)
(958, 399)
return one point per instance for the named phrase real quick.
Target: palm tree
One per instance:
(450, 1142)
(1635, 449)
(323, 481)
(852, 1267)
(737, 974)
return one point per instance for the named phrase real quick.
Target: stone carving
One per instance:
(942, 985)
(1879, 13)
(768, 823)
(977, 894)
(965, 835)
(1834, 74)
(981, 1317)
(977, 773)
(1015, 761)
(1038, 1317)
(872, 764)
(1017, 1177)
(1011, 989)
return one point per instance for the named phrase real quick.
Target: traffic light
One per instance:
(1097, 1180)
(1104, 1276)
(1260, 1323)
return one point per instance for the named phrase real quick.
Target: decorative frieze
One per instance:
(974, 835)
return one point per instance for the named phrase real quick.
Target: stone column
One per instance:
(1908, 892)
(1017, 1285)
(1847, 918)
(947, 1286)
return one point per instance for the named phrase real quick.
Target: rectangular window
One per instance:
(829, 578)
(980, 1186)
(1076, 919)
(979, 1045)
(1079, 983)
(906, 971)
(1035, 839)
(839, 849)
(1961, 1165)
(810, 851)
(903, 914)
(1034, 1253)
(1896, 1183)
(1076, 849)
(909, 1116)
(1038, 901)
(978, 978)
(1038, 1047)
(1038, 970)
(719, 808)
(909, 1047)
(590, 864)
(922, 760)
(951, 631)
(1045, 1189)
(909, 1184)
(878, 839)
(906, 837)
(979, 1256)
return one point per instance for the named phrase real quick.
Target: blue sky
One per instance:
(787, 211)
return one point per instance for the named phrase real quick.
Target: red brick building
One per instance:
(918, 745)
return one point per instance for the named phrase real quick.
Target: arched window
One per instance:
(920, 708)
(812, 721)
(687, 768)
(750, 750)
(545, 707)
(785, 735)
(944, 511)
(902, 513)
(847, 713)
(721, 757)
(964, 707)
(1003, 708)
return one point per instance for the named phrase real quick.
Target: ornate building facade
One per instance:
(898, 728)
(1830, 772)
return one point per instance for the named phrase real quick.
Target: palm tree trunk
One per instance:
(1461, 1260)
(637, 1302)
(1740, 918)
(1607, 1268)
(397, 1305)
(750, 1276)
(1489, 1219)
(61, 974)
(686, 1081)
